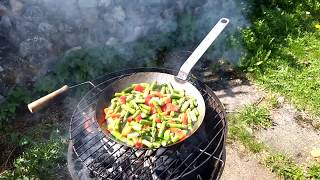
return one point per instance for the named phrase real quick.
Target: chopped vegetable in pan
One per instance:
(151, 115)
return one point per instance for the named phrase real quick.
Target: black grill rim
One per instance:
(108, 78)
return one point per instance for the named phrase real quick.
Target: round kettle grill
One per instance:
(189, 160)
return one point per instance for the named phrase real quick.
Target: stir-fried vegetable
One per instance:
(150, 115)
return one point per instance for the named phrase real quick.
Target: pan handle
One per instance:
(201, 49)
(40, 103)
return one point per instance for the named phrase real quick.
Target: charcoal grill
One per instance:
(202, 156)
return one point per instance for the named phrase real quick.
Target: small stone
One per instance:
(315, 152)
(1, 69)
(207, 73)
(316, 123)
(249, 130)
(280, 100)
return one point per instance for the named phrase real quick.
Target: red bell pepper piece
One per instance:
(138, 118)
(158, 120)
(122, 99)
(130, 119)
(139, 88)
(184, 119)
(147, 100)
(138, 145)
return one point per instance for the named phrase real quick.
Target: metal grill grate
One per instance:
(110, 160)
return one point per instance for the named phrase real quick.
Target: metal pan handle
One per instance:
(201, 49)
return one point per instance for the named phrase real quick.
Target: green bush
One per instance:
(38, 162)
(16, 97)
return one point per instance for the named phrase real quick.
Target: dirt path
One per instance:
(286, 136)
(242, 165)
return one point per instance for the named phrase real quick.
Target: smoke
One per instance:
(44, 30)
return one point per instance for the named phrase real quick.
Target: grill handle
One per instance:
(43, 101)
(201, 49)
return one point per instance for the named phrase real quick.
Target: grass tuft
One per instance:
(314, 171)
(284, 167)
(238, 131)
(255, 116)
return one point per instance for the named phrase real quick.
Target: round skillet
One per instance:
(178, 82)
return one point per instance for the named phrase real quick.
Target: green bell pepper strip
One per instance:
(180, 126)
(181, 92)
(154, 130)
(129, 98)
(122, 113)
(127, 90)
(148, 108)
(189, 118)
(120, 94)
(196, 112)
(175, 138)
(134, 104)
(136, 92)
(167, 90)
(163, 89)
(181, 101)
(146, 91)
(191, 103)
(136, 126)
(162, 129)
(136, 114)
(127, 108)
(117, 135)
(170, 88)
(133, 135)
(153, 85)
(193, 116)
(139, 101)
(145, 111)
(147, 143)
(156, 144)
(125, 117)
(176, 96)
(144, 115)
(194, 101)
(131, 143)
(185, 106)
(166, 135)
(117, 108)
(113, 105)
(146, 137)
(145, 122)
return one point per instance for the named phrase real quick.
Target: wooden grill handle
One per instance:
(43, 101)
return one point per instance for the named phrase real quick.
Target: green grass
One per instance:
(238, 132)
(299, 82)
(314, 171)
(39, 161)
(255, 116)
(283, 50)
(249, 116)
(284, 167)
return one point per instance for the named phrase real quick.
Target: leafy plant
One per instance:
(38, 162)
(15, 98)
